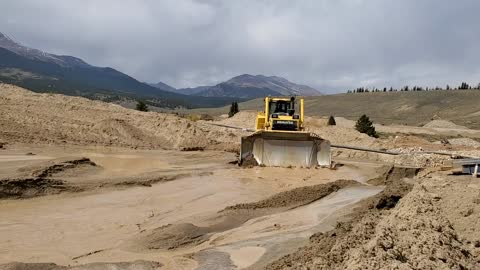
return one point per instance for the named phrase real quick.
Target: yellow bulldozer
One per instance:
(280, 139)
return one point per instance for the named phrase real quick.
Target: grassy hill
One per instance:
(411, 108)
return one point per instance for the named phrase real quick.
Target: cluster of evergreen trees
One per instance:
(463, 86)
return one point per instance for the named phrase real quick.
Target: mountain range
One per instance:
(247, 86)
(45, 72)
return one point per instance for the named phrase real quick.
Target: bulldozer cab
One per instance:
(280, 114)
(282, 107)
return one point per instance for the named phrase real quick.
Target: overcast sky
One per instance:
(332, 45)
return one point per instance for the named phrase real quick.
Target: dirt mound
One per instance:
(117, 131)
(344, 136)
(53, 118)
(316, 122)
(243, 119)
(296, 197)
(320, 122)
(344, 122)
(415, 235)
(140, 265)
(443, 124)
(464, 142)
(459, 200)
(414, 157)
(393, 173)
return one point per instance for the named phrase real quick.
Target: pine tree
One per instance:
(233, 109)
(331, 121)
(141, 106)
(364, 125)
(464, 86)
(236, 107)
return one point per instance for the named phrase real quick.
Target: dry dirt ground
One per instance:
(91, 185)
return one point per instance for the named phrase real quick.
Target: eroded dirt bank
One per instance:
(401, 229)
(66, 120)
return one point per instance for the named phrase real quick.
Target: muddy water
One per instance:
(7, 158)
(278, 234)
(78, 228)
(124, 164)
(59, 228)
(11, 162)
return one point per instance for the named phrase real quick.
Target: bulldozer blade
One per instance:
(284, 149)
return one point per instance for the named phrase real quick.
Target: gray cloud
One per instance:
(329, 44)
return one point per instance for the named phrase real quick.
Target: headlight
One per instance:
(296, 116)
(274, 115)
